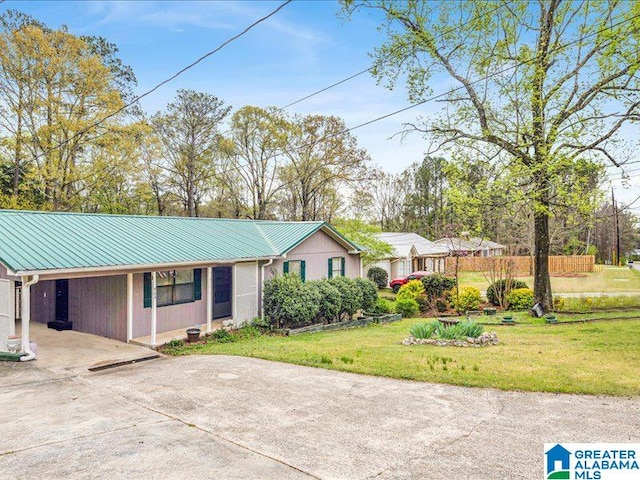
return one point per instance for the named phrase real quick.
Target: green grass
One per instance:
(610, 280)
(600, 302)
(526, 319)
(586, 358)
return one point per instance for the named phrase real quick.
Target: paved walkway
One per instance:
(233, 417)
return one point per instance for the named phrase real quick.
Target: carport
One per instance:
(70, 351)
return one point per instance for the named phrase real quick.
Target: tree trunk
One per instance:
(542, 282)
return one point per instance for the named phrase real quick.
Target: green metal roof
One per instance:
(39, 241)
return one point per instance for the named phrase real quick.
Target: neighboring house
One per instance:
(472, 247)
(124, 277)
(411, 252)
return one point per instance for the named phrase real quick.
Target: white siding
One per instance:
(245, 292)
(7, 322)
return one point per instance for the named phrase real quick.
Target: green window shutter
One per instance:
(342, 266)
(330, 275)
(303, 270)
(197, 284)
(147, 290)
(285, 268)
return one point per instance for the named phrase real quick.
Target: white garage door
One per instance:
(7, 324)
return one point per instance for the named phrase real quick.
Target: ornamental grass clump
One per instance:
(459, 331)
(424, 330)
(439, 330)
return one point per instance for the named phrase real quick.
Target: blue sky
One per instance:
(303, 48)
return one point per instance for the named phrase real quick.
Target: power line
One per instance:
(363, 124)
(474, 82)
(441, 95)
(164, 82)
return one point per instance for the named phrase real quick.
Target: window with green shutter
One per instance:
(174, 287)
(298, 267)
(336, 267)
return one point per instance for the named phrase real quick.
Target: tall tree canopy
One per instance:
(540, 86)
(188, 133)
(55, 89)
(322, 158)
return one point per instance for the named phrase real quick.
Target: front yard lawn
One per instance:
(609, 280)
(587, 358)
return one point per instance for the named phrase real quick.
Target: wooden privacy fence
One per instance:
(522, 265)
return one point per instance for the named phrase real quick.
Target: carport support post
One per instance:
(209, 298)
(26, 314)
(129, 307)
(154, 310)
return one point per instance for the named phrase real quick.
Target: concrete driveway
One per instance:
(230, 417)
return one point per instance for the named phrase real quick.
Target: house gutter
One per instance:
(270, 262)
(26, 317)
(140, 267)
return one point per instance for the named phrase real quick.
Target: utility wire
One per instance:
(363, 124)
(438, 96)
(462, 87)
(164, 82)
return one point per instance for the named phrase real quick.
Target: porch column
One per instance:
(209, 298)
(129, 307)
(154, 310)
(26, 314)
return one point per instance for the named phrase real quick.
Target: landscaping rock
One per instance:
(484, 340)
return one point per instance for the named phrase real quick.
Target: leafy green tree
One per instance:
(322, 158)
(364, 235)
(188, 132)
(539, 86)
(56, 91)
(425, 206)
(256, 146)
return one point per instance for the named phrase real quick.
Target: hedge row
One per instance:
(290, 303)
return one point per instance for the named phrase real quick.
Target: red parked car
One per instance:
(396, 283)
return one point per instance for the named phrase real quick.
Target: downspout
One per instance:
(262, 287)
(26, 318)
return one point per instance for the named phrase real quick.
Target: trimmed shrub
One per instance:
(369, 293)
(415, 291)
(350, 295)
(497, 290)
(407, 307)
(330, 300)
(468, 298)
(383, 306)
(520, 299)
(379, 276)
(290, 303)
(436, 284)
